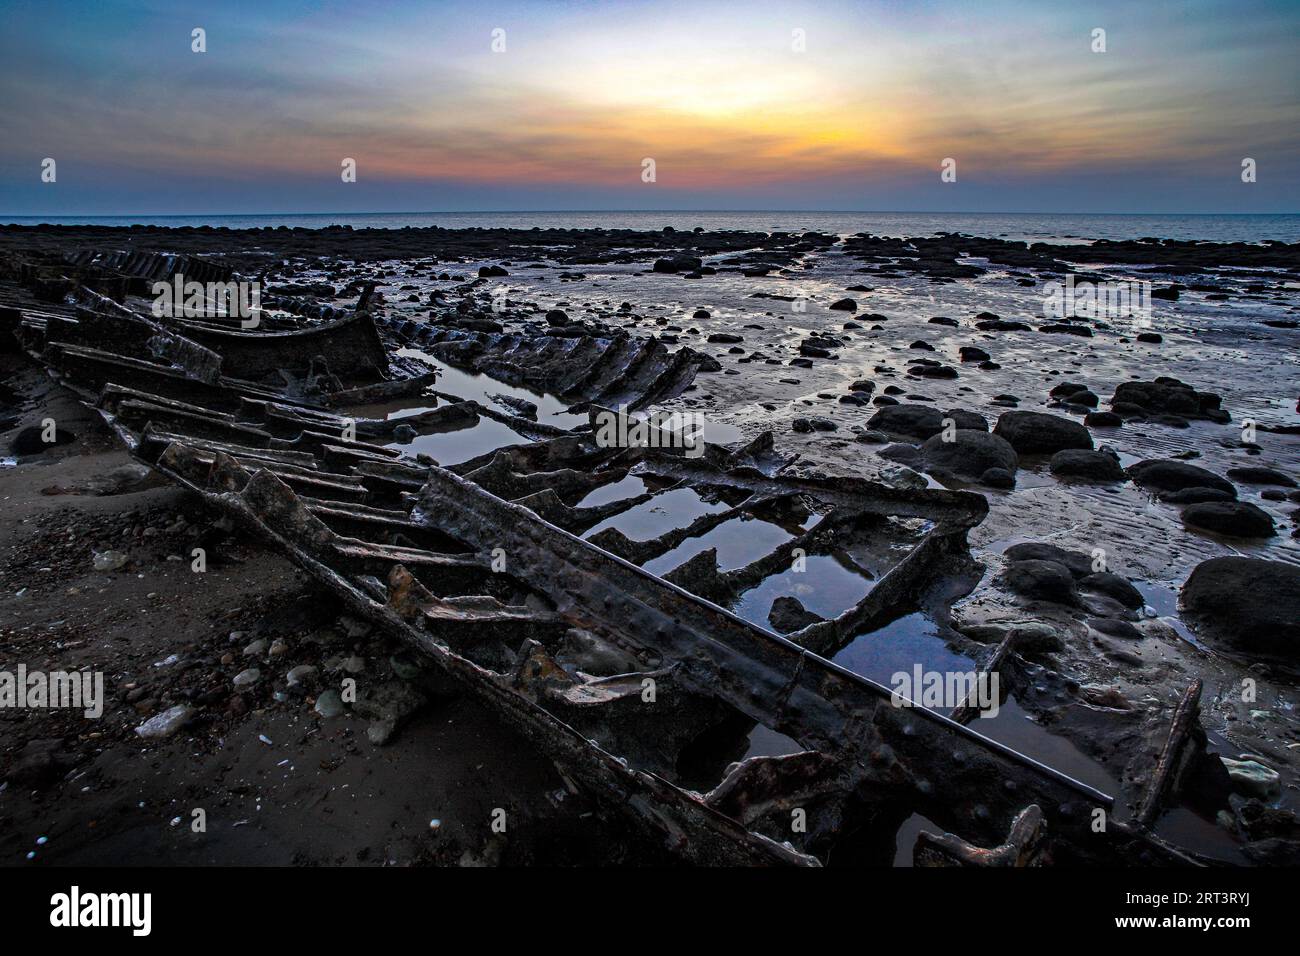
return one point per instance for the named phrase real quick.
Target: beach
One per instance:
(1108, 414)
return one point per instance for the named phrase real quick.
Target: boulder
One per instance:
(1167, 475)
(1250, 604)
(1236, 519)
(1041, 581)
(1099, 466)
(1040, 433)
(968, 456)
(914, 421)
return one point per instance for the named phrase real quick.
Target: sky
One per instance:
(755, 105)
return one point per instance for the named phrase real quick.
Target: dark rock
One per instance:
(1237, 519)
(968, 456)
(1079, 564)
(1191, 496)
(1102, 465)
(29, 441)
(998, 478)
(915, 421)
(672, 264)
(1041, 581)
(789, 615)
(1103, 420)
(1166, 475)
(1261, 476)
(1040, 433)
(1248, 603)
(844, 305)
(973, 353)
(1166, 396)
(1113, 586)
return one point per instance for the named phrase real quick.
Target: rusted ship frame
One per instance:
(408, 546)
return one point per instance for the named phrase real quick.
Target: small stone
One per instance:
(329, 704)
(109, 560)
(165, 724)
(247, 678)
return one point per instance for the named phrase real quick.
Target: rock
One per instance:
(1166, 475)
(122, 480)
(1251, 604)
(37, 765)
(972, 353)
(302, 674)
(968, 456)
(1113, 586)
(673, 264)
(1040, 433)
(1151, 338)
(844, 305)
(903, 478)
(1036, 637)
(789, 615)
(1191, 496)
(31, 440)
(329, 704)
(491, 272)
(1102, 420)
(1237, 519)
(108, 560)
(388, 706)
(255, 648)
(932, 371)
(998, 478)
(165, 724)
(724, 338)
(1100, 466)
(1166, 396)
(943, 320)
(1169, 293)
(1261, 476)
(1079, 564)
(247, 678)
(1253, 778)
(967, 419)
(914, 421)
(1041, 581)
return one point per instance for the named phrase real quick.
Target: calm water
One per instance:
(1029, 227)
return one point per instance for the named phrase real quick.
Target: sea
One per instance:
(1024, 227)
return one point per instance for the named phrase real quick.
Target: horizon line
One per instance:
(6, 218)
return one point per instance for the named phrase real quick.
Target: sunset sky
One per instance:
(713, 92)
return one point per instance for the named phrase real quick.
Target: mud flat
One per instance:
(1100, 510)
